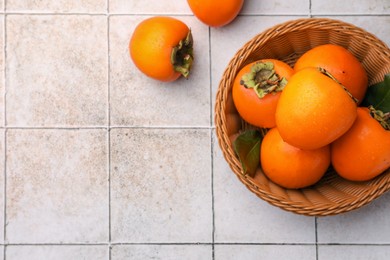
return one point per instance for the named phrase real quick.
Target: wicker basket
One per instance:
(288, 41)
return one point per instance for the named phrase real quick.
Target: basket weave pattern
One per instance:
(287, 42)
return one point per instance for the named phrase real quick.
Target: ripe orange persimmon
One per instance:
(313, 110)
(364, 151)
(339, 62)
(215, 13)
(257, 88)
(161, 48)
(291, 167)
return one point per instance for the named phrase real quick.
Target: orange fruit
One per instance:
(215, 13)
(291, 167)
(313, 110)
(364, 151)
(255, 96)
(339, 62)
(161, 48)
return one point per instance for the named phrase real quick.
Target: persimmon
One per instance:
(289, 166)
(339, 62)
(256, 90)
(313, 110)
(215, 13)
(363, 152)
(162, 48)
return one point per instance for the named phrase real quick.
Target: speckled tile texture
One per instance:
(56, 73)
(57, 186)
(100, 162)
(161, 185)
(58, 6)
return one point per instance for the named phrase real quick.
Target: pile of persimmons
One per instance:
(314, 119)
(312, 113)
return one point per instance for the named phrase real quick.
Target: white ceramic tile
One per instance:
(350, 7)
(2, 160)
(2, 70)
(149, 7)
(65, 252)
(240, 216)
(57, 188)
(171, 252)
(161, 185)
(369, 224)
(265, 252)
(275, 7)
(356, 252)
(67, 6)
(56, 72)
(141, 101)
(226, 41)
(377, 25)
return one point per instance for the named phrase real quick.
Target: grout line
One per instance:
(4, 55)
(102, 127)
(91, 14)
(4, 190)
(56, 244)
(212, 195)
(5, 131)
(344, 14)
(165, 127)
(5, 134)
(316, 235)
(211, 148)
(196, 243)
(53, 13)
(109, 129)
(55, 127)
(189, 15)
(108, 74)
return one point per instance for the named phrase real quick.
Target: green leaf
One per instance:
(378, 95)
(247, 148)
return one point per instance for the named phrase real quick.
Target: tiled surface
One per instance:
(149, 7)
(149, 252)
(342, 252)
(58, 6)
(254, 252)
(98, 161)
(276, 7)
(161, 190)
(57, 188)
(28, 252)
(53, 77)
(2, 168)
(357, 7)
(2, 63)
(369, 224)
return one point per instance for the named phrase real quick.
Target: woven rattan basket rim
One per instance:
(380, 49)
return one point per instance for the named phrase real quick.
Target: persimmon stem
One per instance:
(263, 79)
(327, 73)
(382, 118)
(182, 55)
